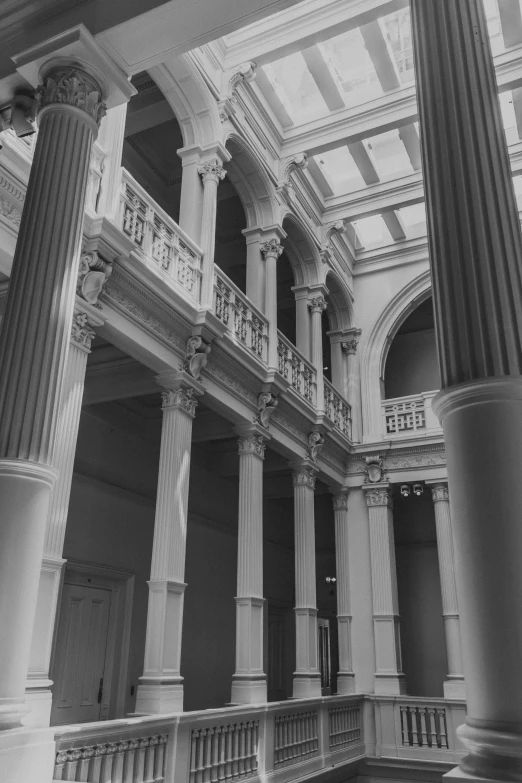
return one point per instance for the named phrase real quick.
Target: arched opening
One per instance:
(286, 316)
(230, 252)
(327, 346)
(295, 267)
(152, 138)
(412, 365)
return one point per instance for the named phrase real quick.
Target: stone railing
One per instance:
(247, 743)
(409, 415)
(296, 369)
(244, 322)
(337, 409)
(160, 240)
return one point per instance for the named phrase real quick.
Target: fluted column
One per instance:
(475, 252)
(307, 678)
(33, 350)
(161, 686)
(345, 676)
(454, 684)
(249, 681)
(38, 688)
(353, 390)
(317, 305)
(271, 250)
(212, 172)
(389, 678)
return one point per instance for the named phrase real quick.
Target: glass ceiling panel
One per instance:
(509, 117)
(340, 170)
(372, 231)
(517, 181)
(412, 216)
(396, 29)
(351, 67)
(296, 88)
(388, 155)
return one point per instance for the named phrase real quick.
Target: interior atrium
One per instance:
(260, 391)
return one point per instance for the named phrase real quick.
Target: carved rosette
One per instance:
(180, 398)
(317, 304)
(340, 501)
(212, 171)
(379, 497)
(440, 493)
(305, 477)
(252, 444)
(72, 87)
(272, 248)
(81, 332)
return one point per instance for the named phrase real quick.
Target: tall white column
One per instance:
(255, 268)
(389, 678)
(38, 688)
(212, 172)
(33, 350)
(249, 681)
(454, 684)
(475, 254)
(303, 339)
(271, 250)
(353, 382)
(161, 686)
(317, 305)
(191, 201)
(345, 676)
(110, 139)
(307, 678)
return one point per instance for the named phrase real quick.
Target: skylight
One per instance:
(388, 155)
(509, 118)
(372, 231)
(413, 215)
(340, 171)
(296, 88)
(351, 67)
(396, 29)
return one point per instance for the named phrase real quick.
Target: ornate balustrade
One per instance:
(296, 737)
(409, 415)
(296, 369)
(159, 238)
(245, 323)
(337, 409)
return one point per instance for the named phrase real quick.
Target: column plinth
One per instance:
(389, 678)
(475, 250)
(345, 676)
(249, 681)
(211, 172)
(307, 677)
(161, 687)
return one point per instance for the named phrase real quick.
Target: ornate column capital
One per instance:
(440, 493)
(350, 341)
(378, 496)
(304, 477)
(67, 84)
(251, 444)
(272, 248)
(212, 171)
(317, 304)
(183, 399)
(82, 332)
(340, 500)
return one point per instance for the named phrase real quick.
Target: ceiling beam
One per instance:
(410, 138)
(320, 180)
(117, 381)
(271, 97)
(394, 225)
(381, 55)
(364, 163)
(322, 76)
(510, 22)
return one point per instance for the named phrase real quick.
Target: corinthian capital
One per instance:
(180, 398)
(212, 171)
(317, 304)
(252, 444)
(272, 248)
(72, 86)
(304, 477)
(378, 497)
(340, 501)
(81, 332)
(440, 493)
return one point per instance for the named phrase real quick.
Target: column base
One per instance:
(38, 698)
(390, 684)
(27, 756)
(495, 754)
(159, 697)
(345, 683)
(307, 686)
(249, 689)
(454, 688)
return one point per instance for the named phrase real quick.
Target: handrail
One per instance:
(295, 368)
(244, 322)
(409, 415)
(337, 409)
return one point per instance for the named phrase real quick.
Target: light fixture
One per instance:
(405, 490)
(418, 489)
(330, 580)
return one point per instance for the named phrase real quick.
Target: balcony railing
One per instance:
(169, 250)
(337, 409)
(297, 370)
(409, 415)
(237, 743)
(244, 322)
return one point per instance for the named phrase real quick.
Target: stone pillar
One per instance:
(38, 688)
(454, 684)
(161, 686)
(212, 172)
(255, 268)
(111, 138)
(303, 340)
(191, 201)
(353, 380)
(317, 305)
(345, 676)
(249, 681)
(475, 251)
(271, 250)
(33, 350)
(389, 678)
(307, 678)
(339, 374)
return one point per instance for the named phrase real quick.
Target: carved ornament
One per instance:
(266, 405)
(340, 501)
(315, 445)
(305, 477)
(317, 304)
(10, 212)
(272, 248)
(374, 469)
(350, 346)
(81, 332)
(180, 398)
(252, 444)
(73, 87)
(212, 171)
(379, 497)
(196, 356)
(92, 276)
(440, 493)
(245, 73)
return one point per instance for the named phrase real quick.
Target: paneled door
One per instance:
(79, 662)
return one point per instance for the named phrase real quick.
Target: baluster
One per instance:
(82, 771)
(441, 712)
(293, 749)
(222, 752)
(194, 740)
(139, 764)
(248, 749)
(286, 739)
(119, 762)
(414, 727)
(107, 762)
(150, 758)
(216, 739)
(96, 763)
(404, 726)
(159, 770)
(309, 747)
(200, 767)
(228, 765)
(208, 755)
(61, 758)
(255, 764)
(433, 742)
(235, 753)
(424, 734)
(71, 765)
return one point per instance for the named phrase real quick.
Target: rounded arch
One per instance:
(301, 251)
(376, 347)
(411, 363)
(340, 307)
(252, 185)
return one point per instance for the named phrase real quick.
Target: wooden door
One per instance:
(79, 661)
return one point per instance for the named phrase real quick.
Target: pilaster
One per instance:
(345, 676)
(350, 345)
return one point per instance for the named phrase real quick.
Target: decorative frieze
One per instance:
(212, 171)
(252, 444)
(11, 213)
(73, 87)
(180, 398)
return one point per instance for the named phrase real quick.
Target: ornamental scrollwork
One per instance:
(74, 87)
(81, 332)
(212, 171)
(266, 405)
(196, 356)
(180, 398)
(251, 444)
(272, 248)
(304, 477)
(317, 304)
(374, 469)
(315, 445)
(92, 276)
